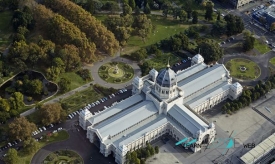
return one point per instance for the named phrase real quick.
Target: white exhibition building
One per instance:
(162, 102)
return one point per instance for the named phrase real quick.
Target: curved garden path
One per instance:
(261, 60)
(97, 80)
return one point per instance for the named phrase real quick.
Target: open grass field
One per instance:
(243, 69)
(5, 29)
(161, 62)
(261, 47)
(272, 61)
(165, 27)
(76, 80)
(80, 99)
(60, 136)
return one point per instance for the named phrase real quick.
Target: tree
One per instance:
(64, 85)
(52, 113)
(182, 15)
(219, 16)
(156, 149)
(23, 18)
(58, 63)
(142, 26)
(70, 56)
(11, 157)
(21, 128)
(30, 145)
(209, 11)
(4, 105)
(195, 17)
(219, 28)
(249, 41)
(272, 26)
(93, 6)
(234, 24)
(35, 87)
(35, 54)
(4, 116)
(210, 50)
(111, 6)
(132, 4)
(147, 9)
(16, 100)
(127, 9)
(137, 10)
(52, 72)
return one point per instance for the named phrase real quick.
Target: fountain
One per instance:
(116, 70)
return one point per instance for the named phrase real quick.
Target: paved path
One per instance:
(94, 71)
(28, 112)
(261, 60)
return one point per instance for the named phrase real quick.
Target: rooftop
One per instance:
(127, 118)
(187, 118)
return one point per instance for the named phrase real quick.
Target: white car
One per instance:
(59, 129)
(40, 130)
(44, 128)
(54, 131)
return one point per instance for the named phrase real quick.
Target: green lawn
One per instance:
(5, 29)
(252, 69)
(261, 47)
(80, 99)
(60, 136)
(165, 28)
(76, 80)
(161, 62)
(66, 156)
(272, 61)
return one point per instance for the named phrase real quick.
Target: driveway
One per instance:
(78, 143)
(94, 71)
(261, 60)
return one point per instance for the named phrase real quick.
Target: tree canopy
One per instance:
(93, 28)
(210, 50)
(21, 128)
(52, 113)
(11, 157)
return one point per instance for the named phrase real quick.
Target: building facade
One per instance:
(239, 3)
(163, 102)
(265, 16)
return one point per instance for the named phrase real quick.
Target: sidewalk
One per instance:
(56, 99)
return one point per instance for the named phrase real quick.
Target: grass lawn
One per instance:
(261, 47)
(252, 71)
(80, 99)
(76, 80)
(125, 73)
(60, 136)
(272, 61)
(165, 27)
(5, 29)
(160, 62)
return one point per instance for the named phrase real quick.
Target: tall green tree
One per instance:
(210, 50)
(147, 9)
(132, 4)
(195, 17)
(30, 145)
(11, 157)
(249, 41)
(17, 100)
(209, 10)
(64, 85)
(182, 15)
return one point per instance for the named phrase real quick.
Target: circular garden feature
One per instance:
(116, 72)
(243, 69)
(63, 157)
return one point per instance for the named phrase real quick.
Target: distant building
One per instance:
(265, 16)
(163, 102)
(239, 3)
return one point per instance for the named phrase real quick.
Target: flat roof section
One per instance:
(127, 118)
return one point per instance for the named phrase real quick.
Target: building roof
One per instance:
(127, 118)
(260, 150)
(219, 88)
(116, 109)
(202, 79)
(187, 118)
(190, 71)
(166, 77)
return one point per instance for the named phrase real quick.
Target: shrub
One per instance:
(29, 99)
(85, 74)
(103, 68)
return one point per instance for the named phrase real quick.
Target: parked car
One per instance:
(44, 128)
(40, 130)
(59, 129)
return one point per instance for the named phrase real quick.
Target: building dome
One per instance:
(166, 77)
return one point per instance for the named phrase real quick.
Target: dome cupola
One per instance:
(166, 77)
